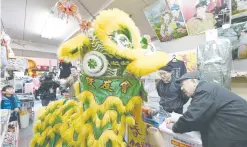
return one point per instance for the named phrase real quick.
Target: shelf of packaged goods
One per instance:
(5, 115)
(15, 135)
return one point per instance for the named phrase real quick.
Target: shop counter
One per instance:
(191, 139)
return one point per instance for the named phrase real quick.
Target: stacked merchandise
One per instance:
(11, 136)
(5, 115)
(215, 62)
(9, 131)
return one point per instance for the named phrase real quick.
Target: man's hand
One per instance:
(169, 123)
(16, 110)
(169, 126)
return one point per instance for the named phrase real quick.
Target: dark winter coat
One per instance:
(48, 89)
(220, 116)
(10, 103)
(171, 96)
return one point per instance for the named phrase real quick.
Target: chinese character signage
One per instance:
(137, 134)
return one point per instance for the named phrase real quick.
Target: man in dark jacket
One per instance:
(172, 98)
(220, 115)
(48, 89)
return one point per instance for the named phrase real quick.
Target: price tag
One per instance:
(211, 35)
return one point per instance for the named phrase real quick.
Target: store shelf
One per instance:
(5, 115)
(239, 74)
(12, 135)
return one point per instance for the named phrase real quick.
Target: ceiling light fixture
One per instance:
(54, 27)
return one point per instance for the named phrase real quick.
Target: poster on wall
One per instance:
(237, 33)
(202, 15)
(188, 57)
(239, 11)
(166, 19)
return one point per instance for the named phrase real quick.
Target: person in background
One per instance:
(70, 81)
(219, 114)
(64, 70)
(65, 94)
(10, 101)
(171, 97)
(48, 89)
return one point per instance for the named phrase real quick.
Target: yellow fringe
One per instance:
(112, 20)
(59, 143)
(109, 102)
(140, 66)
(65, 50)
(74, 120)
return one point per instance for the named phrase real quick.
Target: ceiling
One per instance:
(25, 19)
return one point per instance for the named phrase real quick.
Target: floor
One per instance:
(25, 135)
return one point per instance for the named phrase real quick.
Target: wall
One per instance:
(191, 42)
(31, 46)
(30, 49)
(239, 85)
(35, 54)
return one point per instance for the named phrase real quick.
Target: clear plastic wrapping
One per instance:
(215, 62)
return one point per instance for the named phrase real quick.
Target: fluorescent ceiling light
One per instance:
(54, 27)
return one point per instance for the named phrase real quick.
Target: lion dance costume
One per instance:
(109, 91)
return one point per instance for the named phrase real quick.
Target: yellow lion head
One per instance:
(112, 47)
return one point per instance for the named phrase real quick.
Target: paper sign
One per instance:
(211, 35)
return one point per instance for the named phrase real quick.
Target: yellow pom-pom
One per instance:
(130, 120)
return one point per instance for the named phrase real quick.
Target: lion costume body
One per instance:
(113, 59)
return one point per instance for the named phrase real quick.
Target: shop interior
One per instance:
(86, 72)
